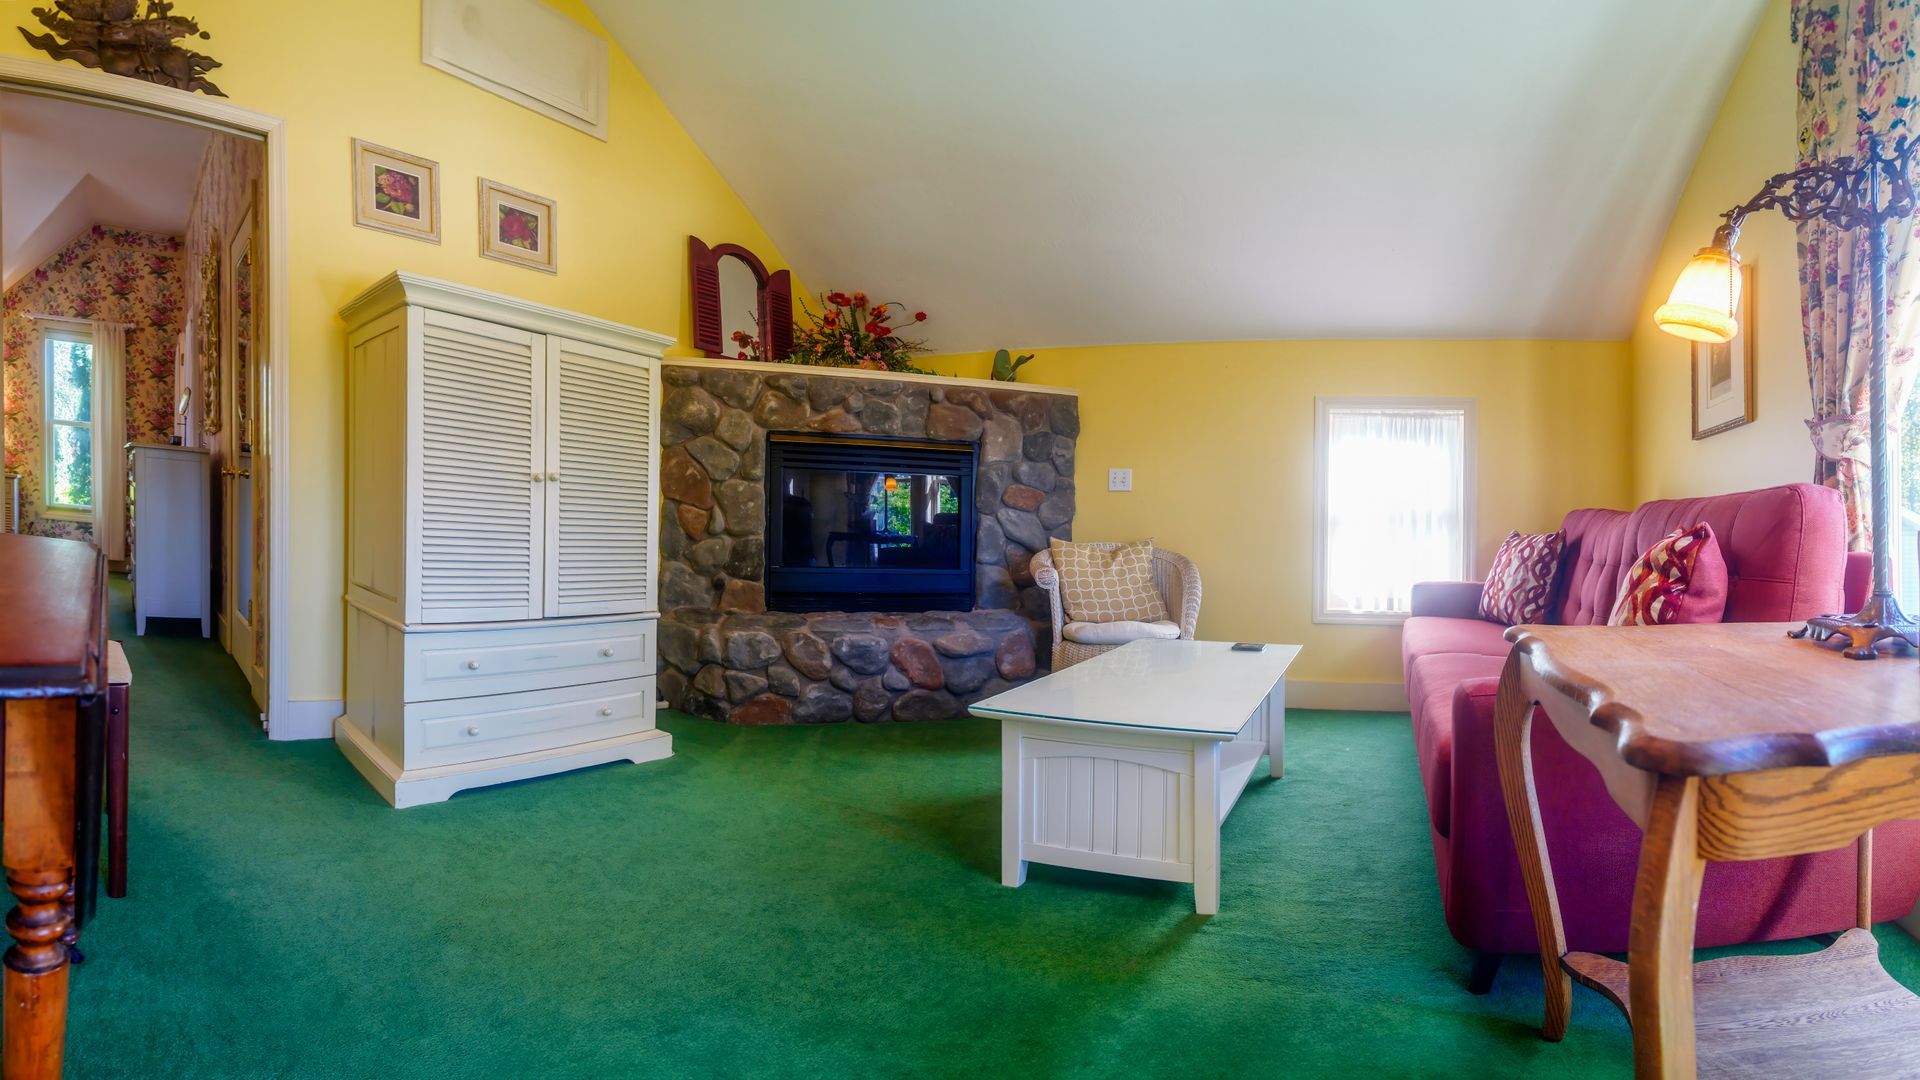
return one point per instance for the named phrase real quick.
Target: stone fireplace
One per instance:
(976, 469)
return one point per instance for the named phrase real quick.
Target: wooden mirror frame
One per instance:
(775, 296)
(209, 335)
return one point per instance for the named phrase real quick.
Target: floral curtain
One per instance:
(1858, 79)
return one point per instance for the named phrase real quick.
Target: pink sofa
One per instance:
(1786, 559)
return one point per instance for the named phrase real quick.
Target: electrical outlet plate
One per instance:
(1119, 479)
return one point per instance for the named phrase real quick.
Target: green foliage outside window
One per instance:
(69, 423)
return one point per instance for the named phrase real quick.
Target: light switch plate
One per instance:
(1119, 479)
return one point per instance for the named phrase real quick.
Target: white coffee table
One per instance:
(1127, 763)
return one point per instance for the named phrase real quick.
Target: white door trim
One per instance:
(52, 79)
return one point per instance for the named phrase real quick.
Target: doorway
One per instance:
(198, 376)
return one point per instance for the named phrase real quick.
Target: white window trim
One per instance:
(49, 509)
(1468, 495)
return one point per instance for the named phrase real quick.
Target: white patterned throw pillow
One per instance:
(1098, 584)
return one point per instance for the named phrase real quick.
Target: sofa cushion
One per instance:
(1423, 635)
(1118, 633)
(1103, 583)
(1520, 582)
(1432, 682)
(1785, 549)
(1680, 579)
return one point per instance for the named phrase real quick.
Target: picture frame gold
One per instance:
(395, 192)
(207, 341)
(1724, 375)
(518, 227)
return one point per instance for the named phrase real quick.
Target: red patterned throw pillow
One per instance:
(1681, 579)
(1520, 584)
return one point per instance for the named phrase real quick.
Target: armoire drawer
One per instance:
(471, 729)
(466, 663)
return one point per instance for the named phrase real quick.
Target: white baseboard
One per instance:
(1346, 696)
(308, 720)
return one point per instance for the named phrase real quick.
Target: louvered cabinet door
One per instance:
(477, 523)
(601, 418)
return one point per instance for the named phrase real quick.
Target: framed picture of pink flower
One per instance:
(395, 192)
(517, 227)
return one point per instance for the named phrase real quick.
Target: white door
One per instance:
(478, 462)
(600, 480)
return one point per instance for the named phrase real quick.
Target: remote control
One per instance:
(1249, 646)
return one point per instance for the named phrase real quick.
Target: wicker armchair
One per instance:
(1173, 574)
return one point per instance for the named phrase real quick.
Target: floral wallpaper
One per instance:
(104, 273)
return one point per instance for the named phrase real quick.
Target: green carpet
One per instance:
(769, 902)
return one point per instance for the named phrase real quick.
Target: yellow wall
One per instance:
(351, 68)
(1220, 440)
(1752, 139)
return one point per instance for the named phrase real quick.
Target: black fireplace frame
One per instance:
(877, 589)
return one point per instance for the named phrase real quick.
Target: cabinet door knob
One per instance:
(475, 730)
(473, 665)
(606, 710)
(554, 477)
(537, 478)
(606, 652)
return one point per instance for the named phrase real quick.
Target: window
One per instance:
(68, 390)
(1393, 502)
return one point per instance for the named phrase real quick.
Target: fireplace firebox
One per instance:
(857, 523)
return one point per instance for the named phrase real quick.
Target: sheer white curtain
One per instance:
(1395, 490)
(109, 438)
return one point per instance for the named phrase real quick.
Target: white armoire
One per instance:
(500, 540)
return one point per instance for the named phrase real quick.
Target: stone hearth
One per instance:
(722, 655)
(781, 668)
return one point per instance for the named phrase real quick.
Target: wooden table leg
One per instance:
(37, 850)
(117, 705)
(1666, 901)
(1513, 744)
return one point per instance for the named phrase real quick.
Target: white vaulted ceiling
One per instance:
(65, 167)
(1065, 172)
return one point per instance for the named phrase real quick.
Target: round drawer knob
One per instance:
(473, 730)
(554, 476)
(606, 710)
(473, 665)
(606, 652)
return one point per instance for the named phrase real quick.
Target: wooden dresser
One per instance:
(500, 556)
(53, 684)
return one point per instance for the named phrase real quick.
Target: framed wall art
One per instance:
(1723, 374)
(517, 227)
(395, 192)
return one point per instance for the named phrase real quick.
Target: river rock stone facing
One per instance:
(722, 655)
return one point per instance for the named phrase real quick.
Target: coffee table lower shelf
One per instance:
(1833, 1012)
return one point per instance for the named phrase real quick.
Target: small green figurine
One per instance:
(1005, 365)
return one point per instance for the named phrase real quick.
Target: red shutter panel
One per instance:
(703, 275)
(778, 334)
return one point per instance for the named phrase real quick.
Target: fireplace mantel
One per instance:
(865, 373)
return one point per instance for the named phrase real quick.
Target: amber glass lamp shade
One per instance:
(1703, 301)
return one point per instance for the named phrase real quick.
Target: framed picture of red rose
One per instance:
(395, 192)
(516, 226)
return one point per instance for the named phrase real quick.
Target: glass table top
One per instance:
(1199, 687)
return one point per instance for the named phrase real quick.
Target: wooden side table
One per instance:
(53, 681)
(1724, 743)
